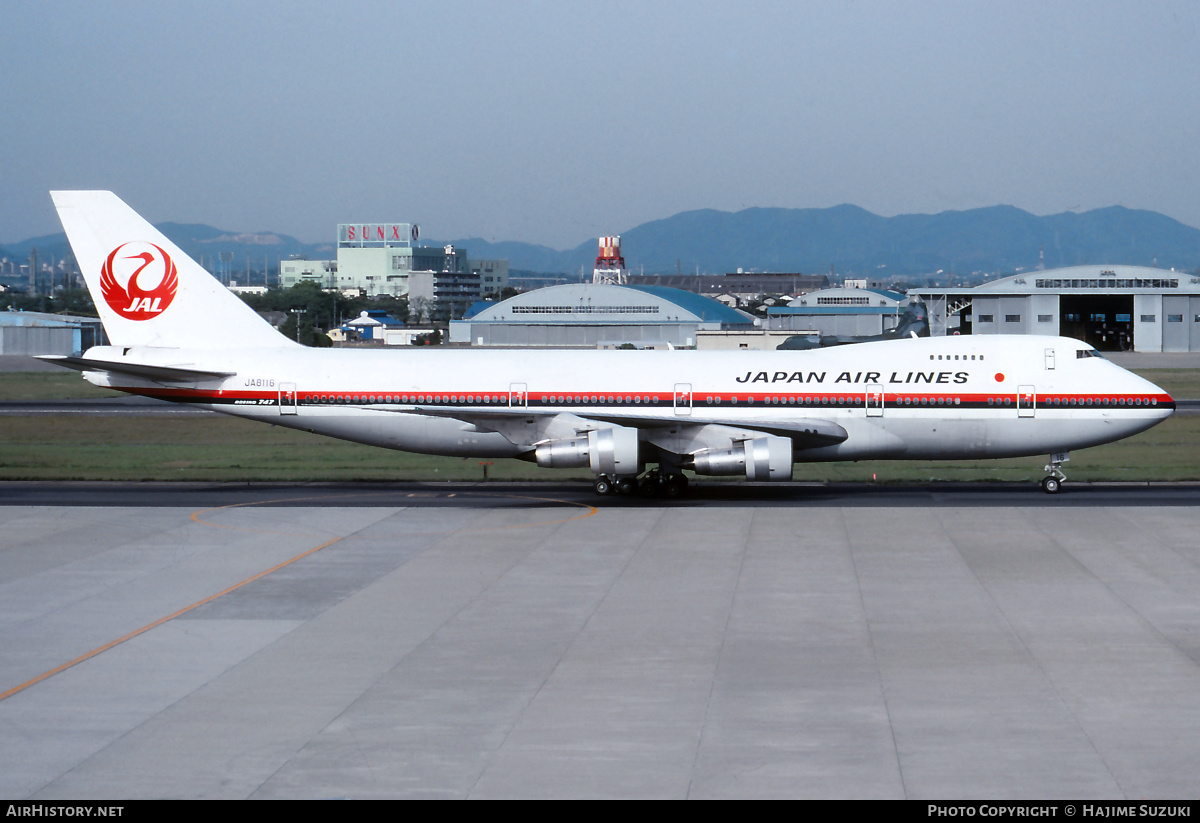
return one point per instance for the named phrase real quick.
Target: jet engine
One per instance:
(763, 458)
(607, 451)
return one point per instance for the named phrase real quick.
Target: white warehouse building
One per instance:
(850, 310)
(1114, 308)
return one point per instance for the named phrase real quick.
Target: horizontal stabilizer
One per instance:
(161, 374)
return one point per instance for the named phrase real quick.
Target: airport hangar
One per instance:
(1114, 308)
(598, 315)
(33, 332)
(851, 309)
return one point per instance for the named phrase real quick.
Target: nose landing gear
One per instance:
(1053, 481)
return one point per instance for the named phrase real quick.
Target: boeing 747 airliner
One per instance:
(177, 334)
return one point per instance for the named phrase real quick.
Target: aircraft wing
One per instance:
(159, 374)
(805, 433)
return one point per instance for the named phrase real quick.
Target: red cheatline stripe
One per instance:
(852, 397)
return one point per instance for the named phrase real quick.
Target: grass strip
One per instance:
(218, 448)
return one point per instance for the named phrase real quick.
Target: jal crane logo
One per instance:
(139, 280)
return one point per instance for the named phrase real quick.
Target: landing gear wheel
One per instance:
(651, 484)
(627, 485)
(674, 485)
(603, 486)
(1054, 480)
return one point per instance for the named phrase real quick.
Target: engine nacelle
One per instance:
(563, 454)
(763, 458)
(607, 451)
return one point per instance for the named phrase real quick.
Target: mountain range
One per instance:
(997, 239)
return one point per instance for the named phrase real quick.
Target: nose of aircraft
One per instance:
(1152, 405)
(1160, 400)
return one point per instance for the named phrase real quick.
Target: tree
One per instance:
(76, 301)
(322, 309)
(397, 307)
(421, 309)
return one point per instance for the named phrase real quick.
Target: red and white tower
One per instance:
(610, 265)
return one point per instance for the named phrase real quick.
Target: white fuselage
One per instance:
(950, 397)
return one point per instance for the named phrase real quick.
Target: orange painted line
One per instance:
(89, 655)
(195, 516)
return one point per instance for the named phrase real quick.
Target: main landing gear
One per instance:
(1053, 481)
(654, 483)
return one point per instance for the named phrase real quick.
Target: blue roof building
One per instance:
(597, 315)
(370, 325)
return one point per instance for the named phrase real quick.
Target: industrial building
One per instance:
(742, 285)
(852, 309)
(321, 272)
(597, 315)
(31, 333)
(1114, 308)
(381, 258)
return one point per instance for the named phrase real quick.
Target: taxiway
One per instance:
(517, 641)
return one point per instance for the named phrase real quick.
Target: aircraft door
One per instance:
(683, 399)
(287, 398)
(518, 396)
(1026, 401)
(874, 400)
(1049, 359)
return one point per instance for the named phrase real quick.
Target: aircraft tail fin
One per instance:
(147, 291)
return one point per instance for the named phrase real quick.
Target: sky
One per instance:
(555, 122)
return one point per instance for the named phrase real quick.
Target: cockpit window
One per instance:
(1082, 353)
